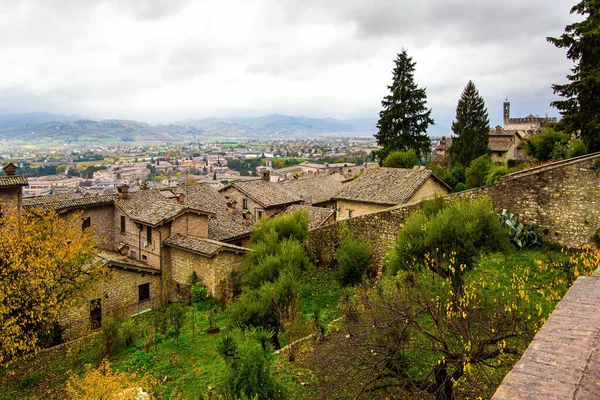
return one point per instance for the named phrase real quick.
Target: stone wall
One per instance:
(190, 224)
(102, 223)
(344, 207)
(210, 270)
(562, 200)
(119, 298)
(380, 229)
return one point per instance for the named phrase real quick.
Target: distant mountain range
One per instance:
(45, 128)
(283, 125)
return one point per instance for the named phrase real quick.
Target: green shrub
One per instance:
(294, 226)
(161, 321)
(464, 227)
(460, 187)
(433, 206)
(548, 145)
(177, 316)
(458, 171)
(353, 258)
(141, 360)
(290, 257)
(129, 332)
(576, 149)
(247, 371)
(112, 335)
(495, 173)
(199, 292)
(476, 173)
(401, 159)
(265, 306)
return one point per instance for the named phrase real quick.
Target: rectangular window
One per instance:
(259, 214)
(122, 224)
(350, 212)
(245, 204)
(144, 258)
(133, 254)
(149, 234)
(144, 291)
(87, 222)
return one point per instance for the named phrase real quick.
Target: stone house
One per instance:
(258, 198)
(381, 188)
(147, 239)
(506, 145)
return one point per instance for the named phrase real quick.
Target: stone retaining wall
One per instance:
(561, 199)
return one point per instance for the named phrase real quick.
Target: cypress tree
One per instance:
(404, 120)
(582, 95)
(472, 127)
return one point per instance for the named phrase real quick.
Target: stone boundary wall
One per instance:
(562, 200)
(563, 360)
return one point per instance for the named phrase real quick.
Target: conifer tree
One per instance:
(404, 120)
(582, 95)
(472, 127)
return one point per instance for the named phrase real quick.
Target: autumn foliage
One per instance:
(104, 383)
(45, 265)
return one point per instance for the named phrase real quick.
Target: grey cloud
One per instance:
(152, 9)
(452, 21)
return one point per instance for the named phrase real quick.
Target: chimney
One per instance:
(181, 198)
(10, 169)
(123, 191)
(498, 130)
(266, 176)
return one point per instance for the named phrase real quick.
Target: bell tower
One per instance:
(506, 111)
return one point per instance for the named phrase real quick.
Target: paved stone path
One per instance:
(563, 360)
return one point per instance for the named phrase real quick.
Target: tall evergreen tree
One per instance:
(472, 127)
(582, 95)
(404, 120)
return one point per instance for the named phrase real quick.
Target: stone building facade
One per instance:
(380, 188)
(259, 198)
(133, 232)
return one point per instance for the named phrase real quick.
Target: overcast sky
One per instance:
(167, 60)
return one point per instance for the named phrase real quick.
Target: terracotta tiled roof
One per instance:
(59, 202)
(314, 190)
(316, 215)
(149, 207)
(12, 181)
(206, 247)
(385, 185)
(267, 194)
(50, 198)
(112, 258)
(221, 226)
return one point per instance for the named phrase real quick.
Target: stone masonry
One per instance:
(562, 200)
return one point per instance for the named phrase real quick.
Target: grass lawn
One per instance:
(186, 367)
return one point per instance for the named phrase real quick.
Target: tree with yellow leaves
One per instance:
(104, 383)
(46, 263)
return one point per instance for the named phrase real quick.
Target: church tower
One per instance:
(506, 111)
